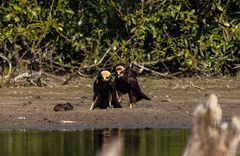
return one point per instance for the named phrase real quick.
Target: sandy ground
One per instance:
(171, 106)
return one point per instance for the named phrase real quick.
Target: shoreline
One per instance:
(172, 104)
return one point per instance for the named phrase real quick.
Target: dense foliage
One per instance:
(184, 36)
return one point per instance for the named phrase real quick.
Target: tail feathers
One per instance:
(142, 96)
(145, 96)
(116, 104)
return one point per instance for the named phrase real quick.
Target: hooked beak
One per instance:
(106, 79)
(119, 74)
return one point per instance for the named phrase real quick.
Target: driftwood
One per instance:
(189, 84)
(194, 86)
(33, 77)
(21, 76)
(210, 136)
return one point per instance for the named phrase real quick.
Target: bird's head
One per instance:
(120, 70)
(106, 75)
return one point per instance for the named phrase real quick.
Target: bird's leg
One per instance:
(93, 105)
(131, 105)
(119, 96)
(110, 100)
(132, 99)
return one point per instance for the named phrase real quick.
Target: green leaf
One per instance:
(60, 28)
(7, 17)
(16, 7)
(70, 12)
(220, 7)
(21, 29)
(133, 21)
(226, 24)
(17, 19)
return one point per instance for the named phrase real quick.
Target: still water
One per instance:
(136, 142)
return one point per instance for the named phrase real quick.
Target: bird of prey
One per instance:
(126, 82)
(104, 92)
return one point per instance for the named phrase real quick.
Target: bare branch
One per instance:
(9, 65)
(165, 75)
(75, 75)
(193, 85)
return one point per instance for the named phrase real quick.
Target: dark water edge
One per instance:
(136, 142)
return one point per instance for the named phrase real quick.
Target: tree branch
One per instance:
(165, 75)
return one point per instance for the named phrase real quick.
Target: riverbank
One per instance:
(171, 105)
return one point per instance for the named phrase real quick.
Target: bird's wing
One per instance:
(132, 81)
(95, 83)
(95, 89)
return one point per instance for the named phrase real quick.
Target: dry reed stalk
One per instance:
(210, 136)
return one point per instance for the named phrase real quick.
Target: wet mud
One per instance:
(171, 105)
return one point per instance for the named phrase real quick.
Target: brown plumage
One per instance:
(104, 92)
(126, 82)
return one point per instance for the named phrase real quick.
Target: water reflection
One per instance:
(110, 142)
(141, 142)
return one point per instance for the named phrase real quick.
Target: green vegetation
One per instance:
(63, 36)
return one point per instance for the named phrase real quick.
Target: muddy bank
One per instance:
(171, 106)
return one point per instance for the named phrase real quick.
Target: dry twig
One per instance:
(9, 66)
(193, 85)
(165, 75)
(75, 75)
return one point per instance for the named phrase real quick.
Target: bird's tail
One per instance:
(142, 96)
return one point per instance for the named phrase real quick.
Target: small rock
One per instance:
(21, 117)
(84, 97)
(38, 97)
(68, 121)
(63, 107)
(88, 85)
(167, 100)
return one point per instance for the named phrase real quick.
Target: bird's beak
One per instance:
(106, 79)
(119, 75)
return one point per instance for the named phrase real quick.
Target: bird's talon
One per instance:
(130, 106)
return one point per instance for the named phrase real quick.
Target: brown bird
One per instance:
(126, 82)
(104, 92)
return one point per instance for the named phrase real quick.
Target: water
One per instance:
(137, 142)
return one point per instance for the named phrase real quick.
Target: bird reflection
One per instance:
(110, 142)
